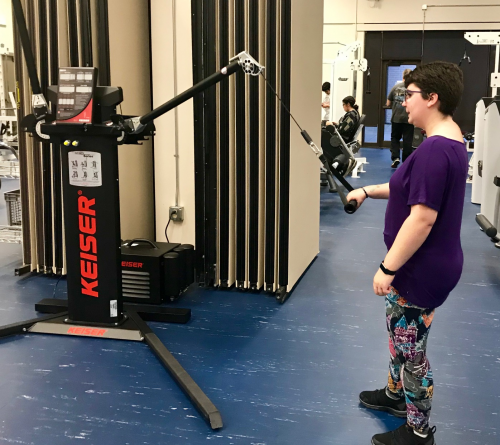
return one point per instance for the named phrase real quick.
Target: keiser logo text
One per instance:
(88, 246)
(132, 264)
(94, 332)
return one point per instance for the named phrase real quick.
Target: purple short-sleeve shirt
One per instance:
(433, 175)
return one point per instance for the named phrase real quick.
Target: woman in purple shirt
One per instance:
(424, 259)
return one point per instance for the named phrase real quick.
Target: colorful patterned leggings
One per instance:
(409, 371)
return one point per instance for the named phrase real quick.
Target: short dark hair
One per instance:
(325, 86)
(443, 78)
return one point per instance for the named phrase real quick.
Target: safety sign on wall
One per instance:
(85, 168)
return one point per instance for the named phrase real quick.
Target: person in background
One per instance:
(348, 122)
(399, 122)
(325, 106)
(346, 127)
(424, 257)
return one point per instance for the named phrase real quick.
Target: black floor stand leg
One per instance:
(135, 329)
(146, 311)
(182, 378)
(23, 326)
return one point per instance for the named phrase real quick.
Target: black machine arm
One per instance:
(243, 60)
(38, 102)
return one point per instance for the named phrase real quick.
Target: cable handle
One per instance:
(351, 206)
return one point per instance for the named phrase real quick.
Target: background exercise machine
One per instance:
(486, 166)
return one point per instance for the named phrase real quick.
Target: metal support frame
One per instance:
(488, 38)
(355, 164)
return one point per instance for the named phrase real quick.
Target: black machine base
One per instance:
(146, 311)
(133, 329)
(22, 270)
(62, 326)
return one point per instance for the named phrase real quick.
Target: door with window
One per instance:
(392, 74)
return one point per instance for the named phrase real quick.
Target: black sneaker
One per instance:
(395, 163)
(404, 435)
(380, 401)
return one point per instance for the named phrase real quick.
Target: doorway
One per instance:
(392, 73)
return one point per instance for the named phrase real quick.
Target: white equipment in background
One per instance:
(488, 163)
(342, 77)
(9, 164)
(342, 70)
(7, 86)
(491, 165)
(477, 157)
(488, 38)
(484, 143)
(489, 219)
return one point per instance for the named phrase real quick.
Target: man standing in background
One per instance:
(399, 121)
(326, 102)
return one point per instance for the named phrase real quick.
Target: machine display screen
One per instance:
(74, 97)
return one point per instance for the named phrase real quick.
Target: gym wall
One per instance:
(338, 26)
(438, 45)
(394, 15)
(175, 127)
(347, 21)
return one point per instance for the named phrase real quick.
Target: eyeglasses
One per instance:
(409, 93)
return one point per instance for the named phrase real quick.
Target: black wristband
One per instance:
(385, 270)
(362, 188)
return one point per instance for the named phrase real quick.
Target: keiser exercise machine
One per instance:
(87, 129)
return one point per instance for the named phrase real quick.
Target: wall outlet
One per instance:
(176, 213)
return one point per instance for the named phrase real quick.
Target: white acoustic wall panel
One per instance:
(306, 57)
(175, 128)
(479, 138)
(491, 164)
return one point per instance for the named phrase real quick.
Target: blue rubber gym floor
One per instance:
(279, 374)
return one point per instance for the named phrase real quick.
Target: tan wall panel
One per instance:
(163, 90)
(232, 156)
(62, 20)
(262, 149)
(386, 15)
(304, 165)
(95, 35)
(430, 26)
(389, 11)
(130, 69)
(340, 11)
